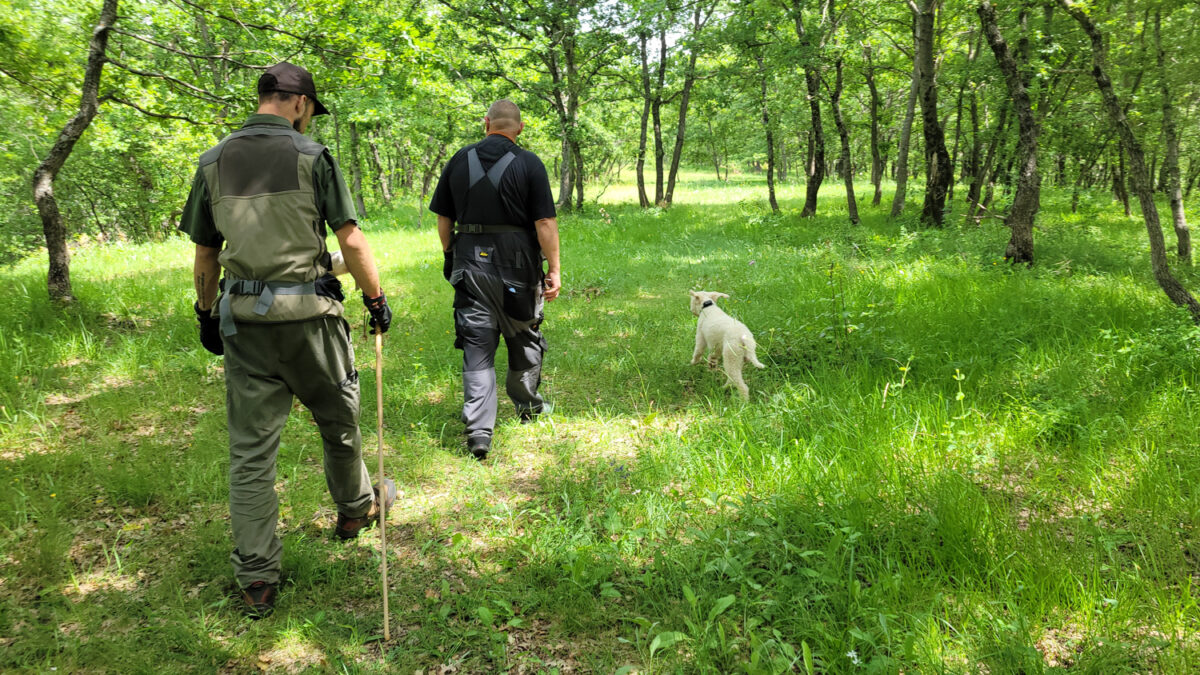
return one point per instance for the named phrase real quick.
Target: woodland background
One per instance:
(958, 231)
(955, 99)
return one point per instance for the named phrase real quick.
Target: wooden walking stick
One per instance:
(382, 487)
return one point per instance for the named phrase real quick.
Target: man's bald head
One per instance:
(505, 117)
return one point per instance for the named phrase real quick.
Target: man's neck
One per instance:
(507, 134)
(271, 110)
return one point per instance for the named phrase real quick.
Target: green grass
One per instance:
(949, 465)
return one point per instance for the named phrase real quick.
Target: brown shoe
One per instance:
(348, 527)
(259, 599)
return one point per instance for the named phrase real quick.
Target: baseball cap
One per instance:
(292, 79)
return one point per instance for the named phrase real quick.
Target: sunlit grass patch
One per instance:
(949, 463)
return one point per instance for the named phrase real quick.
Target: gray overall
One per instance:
(497, 279)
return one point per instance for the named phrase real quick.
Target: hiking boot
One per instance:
(528, 417)
(479, 446)
(259, 599)
(348, 527)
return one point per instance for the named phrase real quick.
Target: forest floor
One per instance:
(948, 465)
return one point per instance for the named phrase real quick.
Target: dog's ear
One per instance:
(694, 294)
(720, 295)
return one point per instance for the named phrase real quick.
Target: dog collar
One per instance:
(707, 303)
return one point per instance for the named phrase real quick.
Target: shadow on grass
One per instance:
(862, 557)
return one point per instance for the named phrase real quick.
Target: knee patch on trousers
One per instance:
(478, 345)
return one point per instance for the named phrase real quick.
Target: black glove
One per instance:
(448, 263)
(381, 314)
(210, 330)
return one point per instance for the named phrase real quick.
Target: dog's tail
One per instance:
(750, 347)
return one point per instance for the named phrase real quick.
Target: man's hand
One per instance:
(552, 284)
(210, 330)
(381, 314)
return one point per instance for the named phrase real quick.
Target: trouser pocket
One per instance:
(520, 301)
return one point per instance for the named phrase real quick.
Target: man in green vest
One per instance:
(258, 209)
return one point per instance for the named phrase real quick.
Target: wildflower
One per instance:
(853, 656)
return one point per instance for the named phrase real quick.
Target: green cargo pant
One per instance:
(265, 366)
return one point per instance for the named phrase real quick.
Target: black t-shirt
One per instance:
(524, 189)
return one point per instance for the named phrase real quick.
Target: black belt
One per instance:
(465, 228)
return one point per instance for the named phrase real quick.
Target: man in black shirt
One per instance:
(496, 221)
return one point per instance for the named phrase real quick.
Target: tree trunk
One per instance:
(1027, 200)
(938, 170)
(815, 169)
(1138, 171)
(566, 102)
(781, 162)
(1172, 184)
(684, 100)
(1192, 173)
(656, 115)
(844, 135)
(901, 166)
(643, 199)
(577, 152)
(876, 159)
(565, 179)
(766, 120)
(1119, 183)
(427, 176)
(385, 189)
(972, 53)
(716, 156)
(356, 171)
(971, 166)
(58, 276)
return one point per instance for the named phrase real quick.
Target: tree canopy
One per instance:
(973, 108)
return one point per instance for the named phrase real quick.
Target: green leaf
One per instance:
(689, 595)
(806, 651)
(664, 640)
(485, 615)
(722, 605)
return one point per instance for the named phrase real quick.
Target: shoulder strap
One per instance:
(497, 171)
(494, 174)
(474, 167)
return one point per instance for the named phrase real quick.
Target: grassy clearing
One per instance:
(948, 465)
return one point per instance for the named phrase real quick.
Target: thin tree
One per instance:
(643, 199)
(1172, 182)
(1026, 202)
(58, 278)
(1139, 175)
(810, 56)
(835, 104)
(938, 169)
(876, 159)
(700, 17)
(766, 120)
(899, 198)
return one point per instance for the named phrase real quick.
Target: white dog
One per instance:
(724, 335)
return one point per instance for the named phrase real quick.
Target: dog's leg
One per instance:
(699, 353)
(733, 368)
